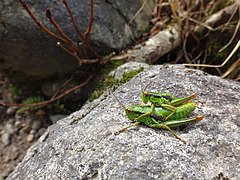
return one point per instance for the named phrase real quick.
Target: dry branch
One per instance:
(64, 42)
(156, 46)
(219, 18)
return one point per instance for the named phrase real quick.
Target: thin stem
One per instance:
(60, 31)
(73, 19)
(89, 29)
(43, 103)
(44, 28)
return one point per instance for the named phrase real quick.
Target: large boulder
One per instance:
(84, 145)
(28, 53)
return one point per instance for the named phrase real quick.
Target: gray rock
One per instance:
(28, 52)
(57, 117)
(84, 145)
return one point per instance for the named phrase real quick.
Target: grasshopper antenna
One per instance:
(140, 82)
(147, 86)
(143, 90)
(119, 101)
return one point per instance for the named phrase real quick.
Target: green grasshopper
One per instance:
(165, 100)
(157, 118)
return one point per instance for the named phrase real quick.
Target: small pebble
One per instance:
(18, 124)
(6, 139)
(18, 117)
(9, 128)
(37, 124)
(40, 112)
(11, 110)
(30, 137)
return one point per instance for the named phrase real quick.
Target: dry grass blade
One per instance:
(232, 10)
(221, 65)
(137, 13)
(234, 34)
(235, 66)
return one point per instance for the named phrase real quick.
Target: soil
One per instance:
(17, 133)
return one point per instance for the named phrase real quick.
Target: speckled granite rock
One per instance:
(84, 146)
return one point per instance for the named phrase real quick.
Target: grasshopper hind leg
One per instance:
(124, 129)
(169, 129)
(164, 126)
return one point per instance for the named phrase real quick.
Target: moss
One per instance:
(105, 80)
(103, 84)
(129, 75)
(30, 100)
(60, 106)
(16, 90)
(108, 81)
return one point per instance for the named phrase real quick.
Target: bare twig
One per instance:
(217, 18)
(91, 20)
(73, 19)
(26, 7)
(64, 42)
(51, 100)
(233, 36)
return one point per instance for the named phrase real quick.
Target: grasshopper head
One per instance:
(145, 94)
(160, 98)
(145, 97)
(133, 111)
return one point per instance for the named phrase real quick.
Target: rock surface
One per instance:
(84, 145)
(28, 52)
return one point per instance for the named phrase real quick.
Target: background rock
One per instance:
(28, 52)
(83, 145)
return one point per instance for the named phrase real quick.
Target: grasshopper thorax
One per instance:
(157, 98)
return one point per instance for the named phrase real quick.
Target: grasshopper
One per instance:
(157, 118)
(165, 100)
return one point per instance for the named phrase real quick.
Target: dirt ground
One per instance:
(18, 132)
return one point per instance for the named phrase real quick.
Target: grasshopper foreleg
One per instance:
(146, 114)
